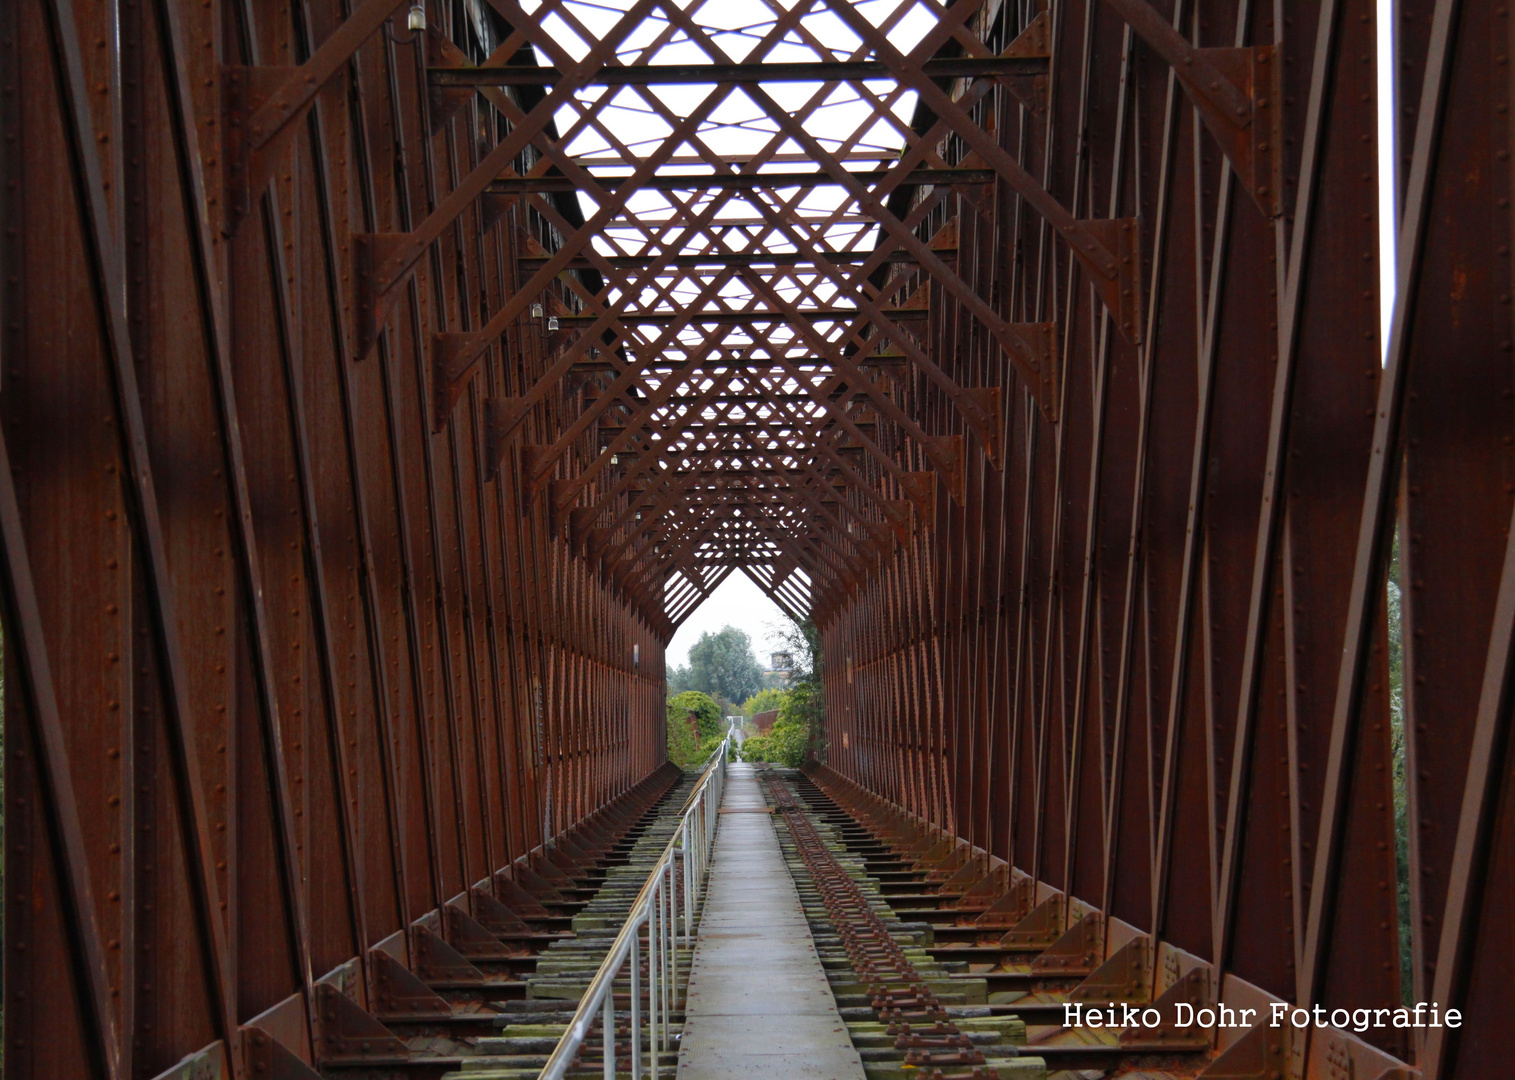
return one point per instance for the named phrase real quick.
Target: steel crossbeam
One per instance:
(767, 71)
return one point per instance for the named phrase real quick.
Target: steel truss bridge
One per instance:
(380, 389)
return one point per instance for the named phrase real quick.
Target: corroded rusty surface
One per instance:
(371, 420)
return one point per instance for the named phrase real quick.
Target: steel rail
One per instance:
(901, 999)
(656, 907)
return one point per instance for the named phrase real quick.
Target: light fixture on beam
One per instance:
(415, 22)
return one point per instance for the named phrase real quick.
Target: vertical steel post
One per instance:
(688, 884)
(634, 1032)
(607, 1022)
(672, 989)
(654, 974)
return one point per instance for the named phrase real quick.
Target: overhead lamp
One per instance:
(536, 311)
(552, 322)
(415, 22)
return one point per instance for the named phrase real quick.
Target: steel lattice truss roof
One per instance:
(743, 296)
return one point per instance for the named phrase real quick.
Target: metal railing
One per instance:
(657, 908)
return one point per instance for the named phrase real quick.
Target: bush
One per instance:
(804, 706)
(784, 745)
(683, 747)
(764, 700)
(797, 732)
(702, 705)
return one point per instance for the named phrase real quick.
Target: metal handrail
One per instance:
(655, 907)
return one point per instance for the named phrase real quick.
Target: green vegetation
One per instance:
(686, 747)
(678, 680)
(789, 740)
(723, 669)
(764, 700)
(797, 734)
(1401, 782)
(721, 665)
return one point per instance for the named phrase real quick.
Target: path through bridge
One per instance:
(759, 1004)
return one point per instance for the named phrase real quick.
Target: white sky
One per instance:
(737, 602)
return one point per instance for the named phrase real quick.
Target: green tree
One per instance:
(764, 700)
(784, 745)
(723, 666)
(802, 641)
(772, 680)
(684, 748)
(788, 743)
(678, 680)
(804, 706)
(797, 733)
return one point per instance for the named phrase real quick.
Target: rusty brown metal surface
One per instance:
(375, 405)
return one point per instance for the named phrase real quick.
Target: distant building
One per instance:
(781, 663)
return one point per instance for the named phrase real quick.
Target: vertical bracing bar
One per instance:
(670, 990)
(607, 1022)
(634, 1032)
(687, 852)
(654, 973)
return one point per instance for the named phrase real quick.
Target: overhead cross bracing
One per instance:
(380, 389)
(707, 252)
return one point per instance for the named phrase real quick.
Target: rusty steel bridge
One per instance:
(381, 386)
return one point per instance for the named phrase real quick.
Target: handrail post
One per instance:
(688, 889)
(673, 943)
(608, 1023)
(654, 978)
(634, 1030)
(656, 907)
(665, 957)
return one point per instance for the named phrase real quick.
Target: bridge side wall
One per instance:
(1148, 661)
(305, 667)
